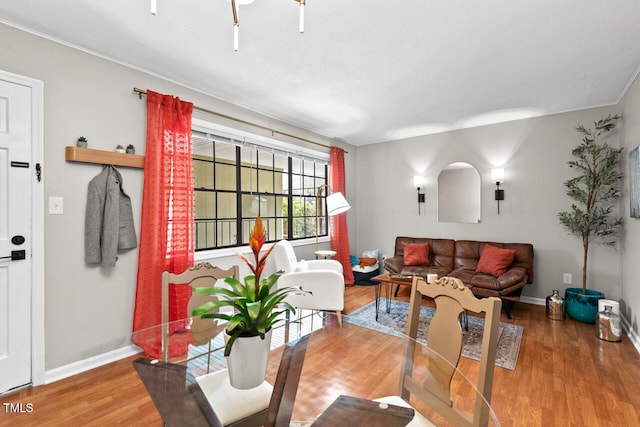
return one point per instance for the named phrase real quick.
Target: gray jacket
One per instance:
(108, 223)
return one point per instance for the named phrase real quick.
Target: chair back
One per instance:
(444, 336)
(284, 257)
(286, 384)
(200, 275)
(176, 394)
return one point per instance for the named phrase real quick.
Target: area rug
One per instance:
(395, 323)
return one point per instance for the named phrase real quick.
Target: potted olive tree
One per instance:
(594, 190)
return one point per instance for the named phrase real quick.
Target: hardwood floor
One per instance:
(565, 376)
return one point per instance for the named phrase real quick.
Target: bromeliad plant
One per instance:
(257, 305)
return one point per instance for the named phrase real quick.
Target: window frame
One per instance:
(261, 145)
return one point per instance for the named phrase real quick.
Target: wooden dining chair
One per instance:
(445, 338)
(200, 275)
(215, 386)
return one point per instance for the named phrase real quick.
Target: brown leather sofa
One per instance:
(459, 258)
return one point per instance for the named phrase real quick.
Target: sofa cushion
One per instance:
(467, 255)
(416, 253)
(422, 271)
(495, 261)
(516, 276)
(441, 252)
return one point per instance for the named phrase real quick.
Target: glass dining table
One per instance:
(345, 371)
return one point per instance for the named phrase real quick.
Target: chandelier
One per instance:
(235, 7)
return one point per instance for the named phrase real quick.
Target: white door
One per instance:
(15, 234)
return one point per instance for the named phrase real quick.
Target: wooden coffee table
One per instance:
(388, 280)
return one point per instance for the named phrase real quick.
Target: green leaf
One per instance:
(234, 322)
(222, 316)
(230, 341)
(253, 308)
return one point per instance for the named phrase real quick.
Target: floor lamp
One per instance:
(336, 204)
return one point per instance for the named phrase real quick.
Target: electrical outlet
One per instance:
(567, 278)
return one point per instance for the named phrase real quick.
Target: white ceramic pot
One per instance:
(247, 362)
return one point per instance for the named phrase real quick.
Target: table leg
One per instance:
(377, 289)
(388, 287)
(464, 320)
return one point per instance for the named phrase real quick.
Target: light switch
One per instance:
(55, 206)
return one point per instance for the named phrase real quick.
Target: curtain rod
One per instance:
(141, 92)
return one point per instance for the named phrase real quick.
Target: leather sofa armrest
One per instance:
(511, 277)
(394, 264)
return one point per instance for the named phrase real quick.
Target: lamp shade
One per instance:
(418, 181)
(337, 204)
(497, 175)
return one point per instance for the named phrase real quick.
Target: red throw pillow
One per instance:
(495, 261)
(416, 253)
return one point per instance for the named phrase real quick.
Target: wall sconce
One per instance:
(417, 182)
(497, 176)
(336, 204)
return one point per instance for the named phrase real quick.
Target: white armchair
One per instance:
(323, 278)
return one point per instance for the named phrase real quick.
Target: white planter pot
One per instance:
(247, 362)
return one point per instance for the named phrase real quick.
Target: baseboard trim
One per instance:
(626, 326)
(80, 366)
(633, 336)
(532, 300)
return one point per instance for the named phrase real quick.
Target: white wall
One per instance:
(89, 309)
(630, 245)
(533, 153)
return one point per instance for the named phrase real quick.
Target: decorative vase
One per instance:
(82, 144)
(131, 151)
(120, 150)
(555, 306)
(582, 307)
(247, 362)
(608, 325)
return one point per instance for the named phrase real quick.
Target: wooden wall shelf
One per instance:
(101, 157)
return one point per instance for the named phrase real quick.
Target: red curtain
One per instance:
(339, 233)
(167, 223)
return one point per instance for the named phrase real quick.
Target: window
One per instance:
(235, 182)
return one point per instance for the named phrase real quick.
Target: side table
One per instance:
(324, 254)
(388, 280)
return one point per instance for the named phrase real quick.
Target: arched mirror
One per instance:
(459, 193)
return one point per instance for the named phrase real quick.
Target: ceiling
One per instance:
(367, 71)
